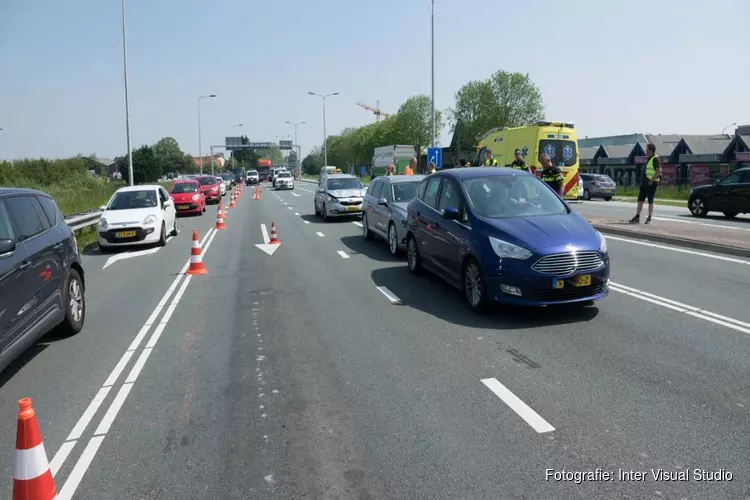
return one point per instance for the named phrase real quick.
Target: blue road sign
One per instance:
(435, 155)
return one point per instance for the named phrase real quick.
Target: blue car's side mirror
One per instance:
(450, 213)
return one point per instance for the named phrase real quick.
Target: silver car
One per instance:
(339, 195)
(598, 186)
(284, 180)
(384, 209)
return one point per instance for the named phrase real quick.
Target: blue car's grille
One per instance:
(563, 264)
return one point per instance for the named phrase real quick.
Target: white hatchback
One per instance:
(137, 215)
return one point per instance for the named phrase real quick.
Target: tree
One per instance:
(313, 162)
(504, 100)
(169, 154)
(414, 122)
(146, 166)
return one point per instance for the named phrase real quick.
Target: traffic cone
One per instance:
(220, 218)
(32, 477)
(257, 194)
(274, 236)
(231, 201)
(196, 259)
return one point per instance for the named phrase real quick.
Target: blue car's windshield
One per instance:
(501, 197)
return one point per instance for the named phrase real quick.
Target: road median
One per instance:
(722, 240)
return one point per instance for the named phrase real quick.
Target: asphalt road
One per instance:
(292, 375)
(625, 210)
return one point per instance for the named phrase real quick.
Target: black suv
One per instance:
(41, 276)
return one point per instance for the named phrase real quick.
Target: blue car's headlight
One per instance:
(602, 242)
(506, 250)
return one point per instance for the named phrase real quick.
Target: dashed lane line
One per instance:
(389, 295)
(514, 402)
(342, 254)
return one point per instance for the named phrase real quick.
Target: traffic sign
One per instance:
(435, 155)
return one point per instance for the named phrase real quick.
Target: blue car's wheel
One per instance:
(412, 255)
(475, 290)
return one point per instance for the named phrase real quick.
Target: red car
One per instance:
(188, 197)
(210, 187)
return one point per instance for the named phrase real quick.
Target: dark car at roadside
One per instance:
(41, 274)
(729, 195)
(504, 236)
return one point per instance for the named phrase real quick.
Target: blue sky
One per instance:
(610, 66)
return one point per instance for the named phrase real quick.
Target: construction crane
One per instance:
(376, 110)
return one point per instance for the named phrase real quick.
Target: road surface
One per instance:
(326, 371)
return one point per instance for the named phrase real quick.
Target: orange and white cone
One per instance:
(257, 193)
(32, 477)
(196, 259)
(220, 218)
(274, 236)
(231, 201)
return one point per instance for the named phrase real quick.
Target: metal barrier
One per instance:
(83, 219)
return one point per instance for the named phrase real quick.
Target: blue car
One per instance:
(502, 235)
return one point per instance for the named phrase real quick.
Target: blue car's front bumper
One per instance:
(537, 290)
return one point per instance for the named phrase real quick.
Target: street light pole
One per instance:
(299, 150)
(434, 131)
(325, 136)
(127, 102)
(722, 130)
(200, 146)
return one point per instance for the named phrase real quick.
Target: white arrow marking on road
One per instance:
(266, 246)
(129, 255)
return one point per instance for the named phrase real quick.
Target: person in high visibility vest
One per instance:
(518, 163)
(489, 161)
(409, 170)
(649, 182)
(551, 175)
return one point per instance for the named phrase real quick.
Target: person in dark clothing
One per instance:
(649, 182)
(518, 163)
(463, 163)
(551, 175)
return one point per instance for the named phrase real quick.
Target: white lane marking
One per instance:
(84, 461)
(295, 194)
(720, 226)
(70, 486)
(138, 366)
(320, 234)
(285, 203)
(113, 410)
(163, 323)
(680, 250)
(296, 213)
(118, 370)
(357, 223)
(60, 457)
(85, 419)
(522, 409)
(307, 222)
(129, 255)
(342, 254)
(263, 230)
(290, 208)
(696, 312)
(389, 295)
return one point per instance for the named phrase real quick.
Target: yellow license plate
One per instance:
(183, 207)
(352, 209)
(126, 234)
(583, 280)
(558, 283)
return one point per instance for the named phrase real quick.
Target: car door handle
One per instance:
(58, 245)
(24, 265)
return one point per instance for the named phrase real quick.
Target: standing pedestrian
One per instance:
(649, 183)
(489, 160)
(551, 175)
(411, 167)
(431, 169)
(519, 163)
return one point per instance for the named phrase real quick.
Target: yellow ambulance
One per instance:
(557, 139)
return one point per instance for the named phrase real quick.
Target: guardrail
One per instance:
(83, 220)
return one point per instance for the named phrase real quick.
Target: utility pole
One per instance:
(434, 130)
(127, 102)
(296, 145)
(325, 136)
(200, 150)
